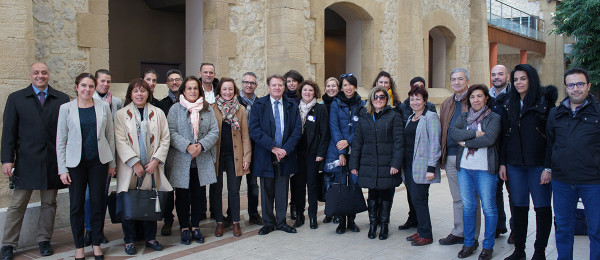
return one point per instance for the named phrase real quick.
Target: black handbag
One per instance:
(344, 199)
(144, 205)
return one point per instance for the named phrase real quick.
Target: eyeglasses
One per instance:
(346, 75)
(379, 97)
(579, 85)
(174, 80)
(251, 83)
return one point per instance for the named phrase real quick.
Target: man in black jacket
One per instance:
(29, 157)
(573, 155)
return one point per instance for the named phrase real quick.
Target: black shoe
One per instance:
(6, 253)
(256, 220)
(518, 254)
(166, 229)
(45, 248)
(98, 257)
(87, 239)
(286, 228)
(409, 224)
(293, 214)
(539, 255)
(341, 228)
(130, 249)
(186, 237)
(266, 229)
(154, 245)
(511, 238)
(198, 236)
(314, 224)
(336, 220)
(352, 225)
(327, 219)
(452, 240)
(299, 221)
(486, 254)
(467, 251)
(227, 222)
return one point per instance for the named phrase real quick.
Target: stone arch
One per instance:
(441, 38)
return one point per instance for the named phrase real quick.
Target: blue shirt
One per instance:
(87, 121)
(37, 91)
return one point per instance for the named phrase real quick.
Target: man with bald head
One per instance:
(500, 80)
(29, 157)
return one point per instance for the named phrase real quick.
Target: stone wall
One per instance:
(388, 38)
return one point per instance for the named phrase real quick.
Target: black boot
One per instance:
(373, 218)
(341, 228)
(543, 223)
(520, 216)
(384, 218)
(351, 224)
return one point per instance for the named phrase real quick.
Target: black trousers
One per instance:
(90, 173)
(129, 230)
(274, 191)
(227, 165)
(412, 214)
(500, 204)
(187, 204)
(384, 195)
(252, 193)
(307, 176)
(419, 194)
(168, 216)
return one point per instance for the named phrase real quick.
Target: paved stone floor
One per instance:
(322, 243)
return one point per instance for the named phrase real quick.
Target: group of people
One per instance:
(207, 129)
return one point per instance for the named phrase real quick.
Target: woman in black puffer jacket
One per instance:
(377, 154)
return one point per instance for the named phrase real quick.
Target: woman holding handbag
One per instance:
(234, 151)
(142, 139)
(191, 161)
(376, 158)
(85, 147)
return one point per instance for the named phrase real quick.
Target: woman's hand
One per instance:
(546, 177)
(318, 159)
(354, 171)
(479, 133)
(138, 169)
(342, 160)
(151, 166)
(502, 172)
(245, 165)
(429, 176)
(112, 172)
(65, 178)
(461, 143)
(194, 149)
(393, 171)
(341, 145)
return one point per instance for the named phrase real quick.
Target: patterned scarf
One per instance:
(305, 108)
(141, 122)
(194, 109)
(229, 109)
(473, 119)
(248, 102)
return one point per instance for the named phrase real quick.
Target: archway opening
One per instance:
(335, 44)
(442, 56)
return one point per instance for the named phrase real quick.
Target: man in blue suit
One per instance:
(276, 129)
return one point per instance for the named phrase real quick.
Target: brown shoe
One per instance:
(466, 251)
(419, 241)
(237, 230)
(219, 229)
(486, 254)
(412, 237)
(452, 240)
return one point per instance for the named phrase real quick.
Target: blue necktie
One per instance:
(278, 135)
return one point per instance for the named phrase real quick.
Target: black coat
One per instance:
(405, 110)
(524, 140)
(574, 143)
(377, 146)
(315, 137)
(165, 104)
(29, 138)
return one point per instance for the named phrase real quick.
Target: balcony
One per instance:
(514, 20)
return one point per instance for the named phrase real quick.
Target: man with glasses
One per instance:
(174, 79)
(573, 154)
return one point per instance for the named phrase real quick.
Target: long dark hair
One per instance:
(200, 89)
(534, 91)
(392, 84)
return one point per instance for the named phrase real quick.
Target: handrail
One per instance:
(515, 20)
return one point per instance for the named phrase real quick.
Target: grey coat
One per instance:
(491, 126)
(177, 166)
(427, 151)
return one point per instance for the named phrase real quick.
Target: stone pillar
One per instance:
(523, 57)
(219, 43)
(479, 53)
(194, 43)
(553, 63)
(285, 37)
(411, 54)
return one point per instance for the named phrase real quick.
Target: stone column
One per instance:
(194, 29)
(479, 49)
(219, 43)
(285, 48)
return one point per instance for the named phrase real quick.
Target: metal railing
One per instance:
(507, 17)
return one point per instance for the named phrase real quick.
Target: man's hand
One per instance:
(151, 166)
(279, 153)
(7, 169)
(65, 178)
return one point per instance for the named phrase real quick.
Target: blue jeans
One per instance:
(565, 203)
(473, 183)
(525, 180)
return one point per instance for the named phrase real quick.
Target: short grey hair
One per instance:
(456, 70)
(251, 74)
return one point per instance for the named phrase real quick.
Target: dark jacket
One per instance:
(315, 138)
(491, 126)
(378, 145)
(165, 104)
(342, 121)
(573, 150)
(405, 110)
(524, 140)
(262, 131)
(29, 138)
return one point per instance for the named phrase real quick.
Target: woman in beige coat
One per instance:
(142, 140)
(233, 151)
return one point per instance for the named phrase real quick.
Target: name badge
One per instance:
(311, 118)
(355, 118)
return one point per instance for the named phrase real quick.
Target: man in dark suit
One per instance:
(276, 128)
(29, 157)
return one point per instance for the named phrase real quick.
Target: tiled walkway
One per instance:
(322, 243)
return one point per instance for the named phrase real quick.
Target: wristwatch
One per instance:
(548, 170)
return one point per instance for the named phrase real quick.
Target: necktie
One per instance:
(42, 97)
(278, 135)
